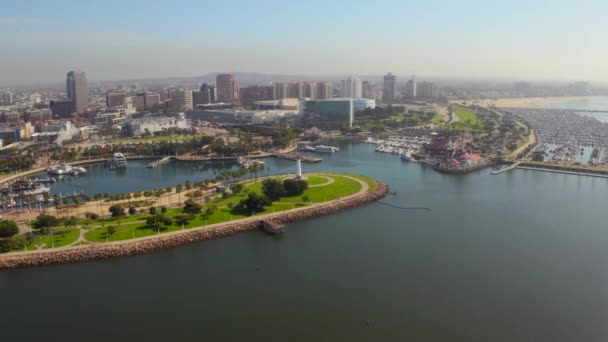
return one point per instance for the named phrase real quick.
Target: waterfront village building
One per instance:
(139, 127)
(58, 126)
(337, 109)
(10, 134)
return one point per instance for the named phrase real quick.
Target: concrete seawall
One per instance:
(179, 238)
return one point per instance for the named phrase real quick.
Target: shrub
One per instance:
(117, 210)
(273, 189)
(191, 207)
(8, 228)
(294, 187)
(152, 210)
(132, 211)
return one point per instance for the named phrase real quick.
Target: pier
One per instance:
(304, 159)
(509, 168)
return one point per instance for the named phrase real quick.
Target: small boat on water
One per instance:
(65, 169)
(406, 157)
(118, 161)
(157, 163)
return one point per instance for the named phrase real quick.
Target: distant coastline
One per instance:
(532, 102)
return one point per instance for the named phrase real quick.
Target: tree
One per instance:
(236, 188)
(191, 207)
(183, 219)
(70, 221)
(8, 228)
(132, 211)
(117, 210)
(273, 189)
(179, 188)
(152, 210)
(44, 221)
(111, 230)
(163, 209)
(294, 187)
(254, 203)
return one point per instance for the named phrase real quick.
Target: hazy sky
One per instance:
(117, 39)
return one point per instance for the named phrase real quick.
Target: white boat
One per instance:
(326, 149)
(38, 191)
(406, 157)
(60, 169)
(118, 161)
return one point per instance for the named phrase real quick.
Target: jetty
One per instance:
(293, 157)
(509, 168)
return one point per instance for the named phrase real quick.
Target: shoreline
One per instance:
(529, 102)
(76, 254)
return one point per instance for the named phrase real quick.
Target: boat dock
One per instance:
(293, 157)
(509, 168)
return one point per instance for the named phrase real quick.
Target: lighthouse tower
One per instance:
(298, 168)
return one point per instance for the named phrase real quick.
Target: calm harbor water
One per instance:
(595, 103)
(517, 257)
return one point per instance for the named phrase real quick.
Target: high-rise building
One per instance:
(389, 91)
(428, 90)
(206, 95)
(369, 90)
(293, 90)
(61, 109)
(8, 98)
(411, 88)
(78, 92)
(225, 88)
(324, 90)
(115, 98)
(279, 91)
(248, 95)
(182, 100)
(352, 88)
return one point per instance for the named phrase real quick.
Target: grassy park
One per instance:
(468, 120)
(218, 209)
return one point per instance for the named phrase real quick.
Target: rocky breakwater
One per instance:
(170, 240)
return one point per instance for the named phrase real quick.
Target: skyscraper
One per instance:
(77, 90)
(324, 90)
(8, 98)
(411, 88)
(352, 88)
(389, 90)
(225, 88)
(182, 100)
(427, 90)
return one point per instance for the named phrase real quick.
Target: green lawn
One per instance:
(341, 187)
(469, 121)
(314, 180)
(61, 237)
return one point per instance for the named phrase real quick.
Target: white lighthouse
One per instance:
(298, 168)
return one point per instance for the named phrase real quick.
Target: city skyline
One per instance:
(471, 39)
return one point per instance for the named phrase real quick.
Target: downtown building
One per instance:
(115, 98)
(411, 88)
(206, 95)
(352, 88)
(226, 87)
(182, 100)
(389, 91)
(78, 91)
(428, 90)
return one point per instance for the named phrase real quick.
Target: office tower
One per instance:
(411, 88)
(427, 90)
(115, 98)
(8, 98)
(352, 88)
(208, 92)
(369, 90)
(279, 91)
(389, 90)
(324, 90)
(225, 88)
(77, 90)
(182, 100)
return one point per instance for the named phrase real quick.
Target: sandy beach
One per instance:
(528, 102)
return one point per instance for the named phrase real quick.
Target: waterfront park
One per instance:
(198, 205)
